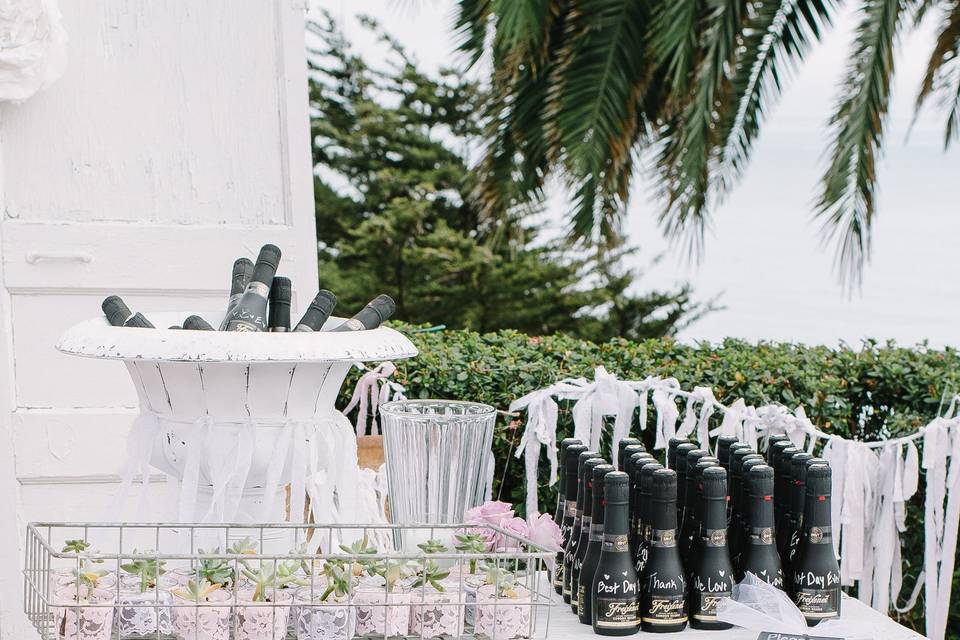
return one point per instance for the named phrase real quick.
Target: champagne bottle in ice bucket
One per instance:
(119, 314)
(239, 279)
(371, 316)
(317, 313)
(279, 318)
(250, 312)
(196, 323)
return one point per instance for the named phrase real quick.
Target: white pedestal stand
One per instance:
(236, 417)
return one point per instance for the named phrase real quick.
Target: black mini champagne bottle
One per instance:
(622, 451)
(771, 444)
(569, 473)
(800, 486)
(779, 449)
(371, 316)
(250, 312)
(760, 556)
(586, 521)
(663, 585)
(723, 450)
(795, 511)
(196, 323)
(816, 573)
(571, 549)
(119, 314)
(712, 576)
(686, 488)
(633, 465)
(562, 479)
(737, 530)
(614, 588)
(591, 559)
(734, 448)
(239, 279)
(784, 480)
(317, 313)
(280, 293)
(644, 502)
(680, 466)
(690, 527)
(672, 451)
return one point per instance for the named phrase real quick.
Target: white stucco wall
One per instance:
(177, 139)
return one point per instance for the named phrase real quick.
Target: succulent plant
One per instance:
(432, 546)
(215, 570)
(359, 548)
(87, 575)
(339, 579)
(268, 576)
(504, 581)
(75, 546)
(245, 547)
(471, 543)
(196, 591)
(431, 573)
(148, 569)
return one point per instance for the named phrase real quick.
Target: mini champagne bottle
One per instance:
(760, 556)
(771, 443)
(591, 559)
(690, 527)
(663, 585)
(621, 451)
(680, 466)
(569, 474)
(794, 519)
(734, 448)
(317, 313)
(644, 505)
(239, 279)
(686, 489)
(723, 450)
(783, 479)
(672, 451)
(614, 588)
(737, 530)
(816, 573)
(571, 549)
(712, 575)
(119, 314)
(280, 293)
(586, 520)
(371, 316)
(800, 473)
(633, 465)
(779, 449)
(250, 312)
(196, 323)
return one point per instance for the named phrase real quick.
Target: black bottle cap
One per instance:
(774, 439)
(571, 459)
(680, 463)
(691, 460)
(567, 442)
(636, 462)
(138, 320)
(116, 310)
(809, 463)
(630, 450)
(267, 262)
(715, 482)
(664, 487)
(242, 272)
(723, 448)
(798, 465)
(737, 457)
(280, 289)
(672, 451)
(760, 481)
(384, 306)
(616, 487)
(319, 310)
(818, 480)
(748, 463)
(785, 468)
(583, 457)
(174, 326)
(628, 442)
(590, 464)
(775, 451)
(196, 323)
(706, 462)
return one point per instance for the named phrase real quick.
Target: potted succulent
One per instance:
(382, 603)
(325, 614)
(503, 607)
(436, 611)
(82, 612)
(144, 598)
(263, 605)
(200, 611)
(82, 570)
(213, 568)
(472, 543)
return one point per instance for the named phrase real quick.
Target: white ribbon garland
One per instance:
(872, 481)
(373, 389)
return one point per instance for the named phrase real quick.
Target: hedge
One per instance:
(867, 393)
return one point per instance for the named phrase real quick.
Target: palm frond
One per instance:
(594, 105)
(776, 39)
(846, 205)
(471, 25)
(690, 138)
(673, 40)
(943, 71)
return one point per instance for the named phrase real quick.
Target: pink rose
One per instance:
(518, 528)
(545, 532)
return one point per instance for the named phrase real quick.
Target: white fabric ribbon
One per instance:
(667, 412)
(143, 433)
(373, 389)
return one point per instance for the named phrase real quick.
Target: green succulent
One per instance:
(196, 591)
(339, 579)
(75, 546)
(215, 570)
(360, 548)
(87, 575)
(471, 543)
(504, 581)
(432, 546)
(431, 573)
(146, 568)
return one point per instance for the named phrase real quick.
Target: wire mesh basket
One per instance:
(100, 581)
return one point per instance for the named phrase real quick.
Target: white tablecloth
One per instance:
(563, 625)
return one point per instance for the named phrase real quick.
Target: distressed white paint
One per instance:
(177, 139)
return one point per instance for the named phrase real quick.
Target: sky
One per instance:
(765, 258)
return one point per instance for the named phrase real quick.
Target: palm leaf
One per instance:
(471, 25)
(776, 39)
(674, 40)
(594, 107)
(847, 204)
(690, 139)
(943, 71)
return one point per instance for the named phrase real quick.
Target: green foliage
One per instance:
(398, 210)
(580, 89)
(866, 393)
(215, 570)
(146, 568)
(431, 574)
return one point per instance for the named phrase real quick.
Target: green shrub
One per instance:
(870, 393)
